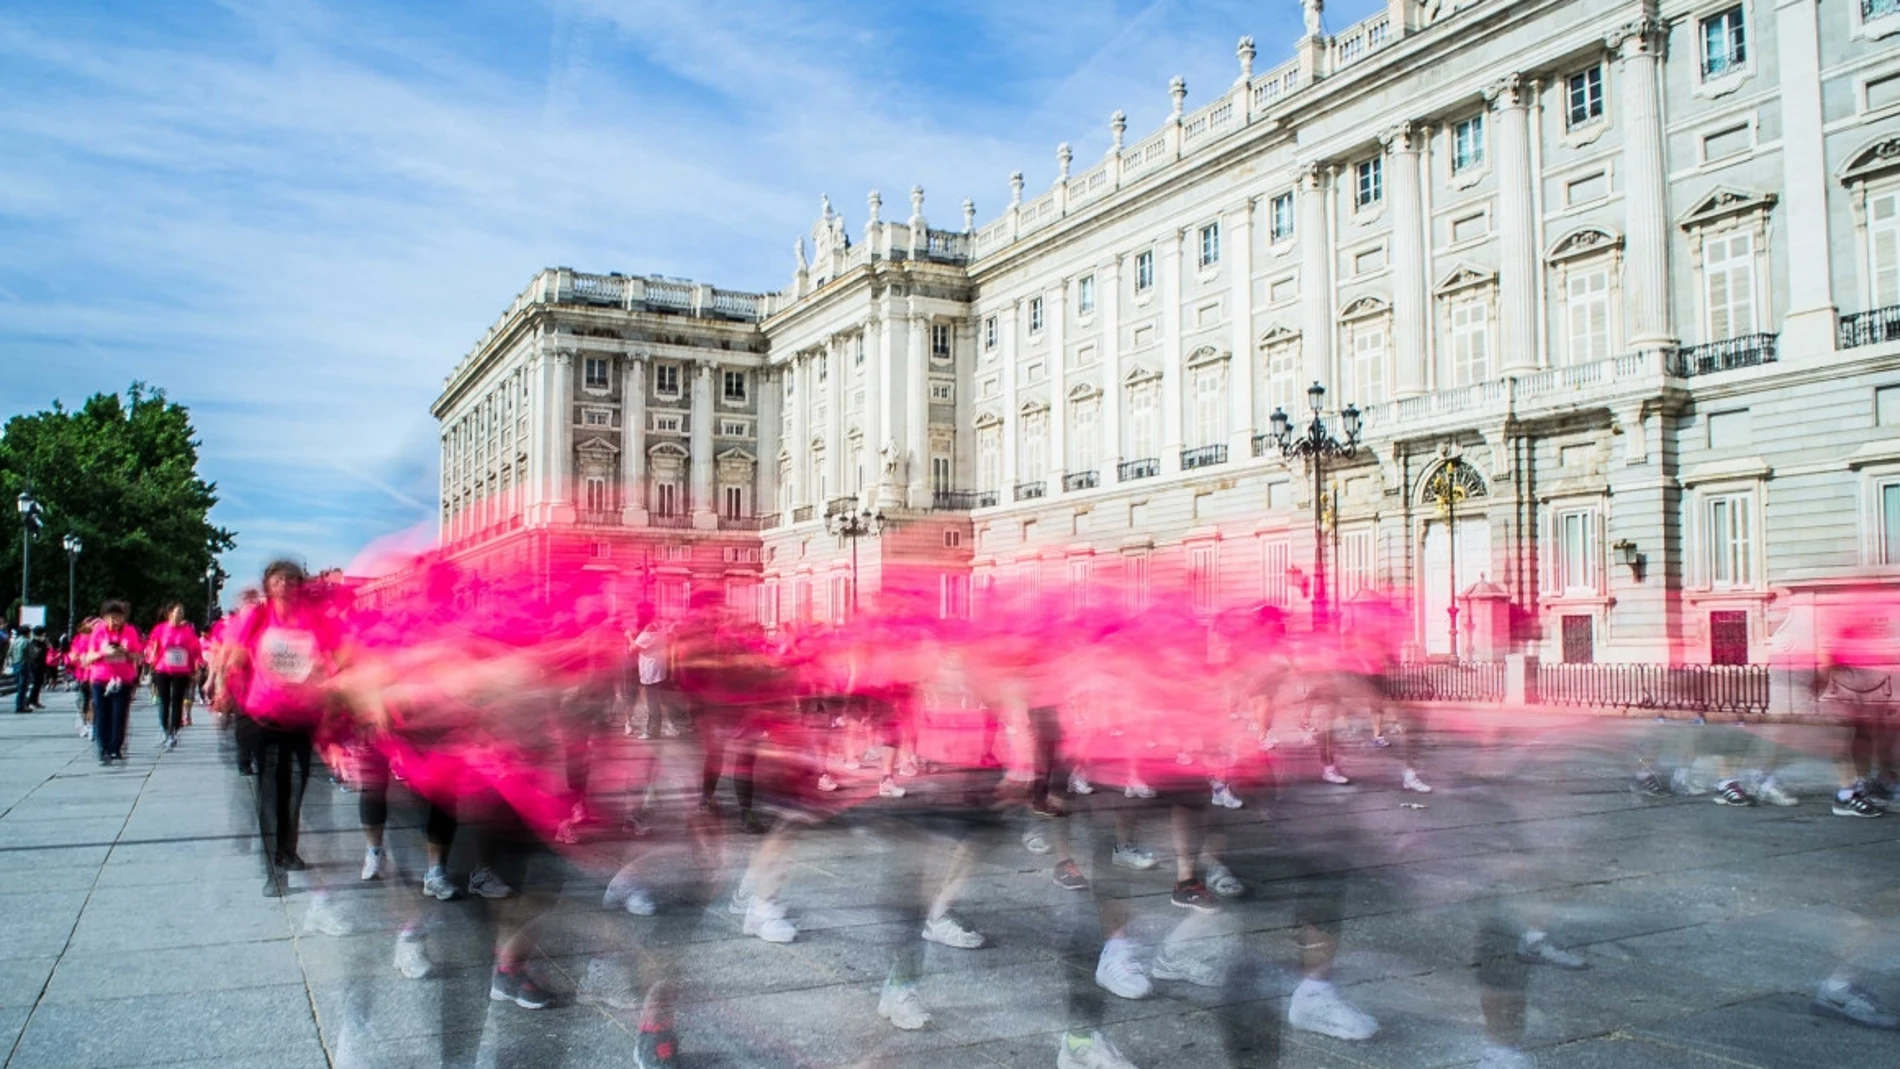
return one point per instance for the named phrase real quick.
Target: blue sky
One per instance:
(297, 216)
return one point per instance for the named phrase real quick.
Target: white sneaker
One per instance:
(412, 956)
(485, 883)
(766, 919)
(1201, 971)
(899, 1004)
(950, 932)
(1118, 973)
(1496, 1057)
(1079, 783)
(1222, 881)
(1132, 856)
(1411, 782)
(1225, 797)
(1095, 1052)
(1332, 774)
(1317, 1007)
(606, 985)
(1772, 793)
(888, 788)
(826, 783)
(1138, 789)
(625, 891)
(324, 919)
(436, 882)
(375, 863)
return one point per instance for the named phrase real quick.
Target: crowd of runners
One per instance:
(1117, 750)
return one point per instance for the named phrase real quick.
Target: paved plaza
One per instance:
(133, 933)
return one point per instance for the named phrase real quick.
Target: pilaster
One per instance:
(1510, 99)
(1409, 296)
(704, 509)
(1638, 45)
(916, 395)
(1240, 366)
(1316, 300)
(633, 442)
(1808, 328)
(1110, 296)
(1171, 292)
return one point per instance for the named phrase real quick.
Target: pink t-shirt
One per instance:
(175, 650)
(119, 650)
(291, 656)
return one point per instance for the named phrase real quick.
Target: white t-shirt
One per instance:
(651, 644)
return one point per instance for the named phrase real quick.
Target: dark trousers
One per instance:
(283, 769)
(246, 734)
(110, 709)
(171, 689)
(37, 672)
(21, 688)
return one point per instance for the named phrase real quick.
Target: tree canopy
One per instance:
(122, 475)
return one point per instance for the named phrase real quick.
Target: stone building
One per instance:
(1614, 286)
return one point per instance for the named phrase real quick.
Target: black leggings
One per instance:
(171, 690)
(372, 809)
(283, 769)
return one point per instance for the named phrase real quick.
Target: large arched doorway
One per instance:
(1454, 548)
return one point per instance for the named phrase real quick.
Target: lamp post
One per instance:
(855, 524)
(1448, 487)
(72, 546)
(29, 522)
(211, 590)
(1315, 444)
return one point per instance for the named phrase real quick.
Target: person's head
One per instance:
(283, 581)
(175, 614)
(39, 632)
(644, 614)
(114, 613)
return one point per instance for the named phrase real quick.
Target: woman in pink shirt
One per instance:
(76, 649)
(113, 659)
(174, 654)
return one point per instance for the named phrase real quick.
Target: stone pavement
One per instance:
(132, 931)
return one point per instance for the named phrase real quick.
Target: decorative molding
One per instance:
(1871, 161)
(1724, 203)
(1083, 391)
(1139, 374)
(1510, 91)
(1583, 241)
(1725, 470)
(1278, 335)
(1464, 277)
(1365, 308)
(1205, 355)
(1643, 35)
(666, 449)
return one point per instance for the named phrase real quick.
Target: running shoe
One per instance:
(288, 862)
(1138, 789)
(1069, 877)
(1856, 804)
(948, 931)
(753, 824)
(1333, 775)
(1838, 998)
(655, 1049)
(374, 863)
(1378, 742)
(1093, 1051)
(1411, 782)
(436, 883)
(1317, 1007)
(1079, 782)
(485, 883)
(1772, 793)
(1731, 793)
(899, 1004)
(766, 919)
(1118, 973)
(1194, 895)
(1225, 797)
(826, 783)
(888, 788)
(1222, 881)
(1132, 856)
(1497, 1057)
(518, 988)
(412, 956)
(1539, 950)
(1651, 784)
(1202, 971)
(1047, 807)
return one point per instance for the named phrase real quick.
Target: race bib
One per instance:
(177, 657)
(288, 655)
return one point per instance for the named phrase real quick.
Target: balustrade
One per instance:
(1203, 457)
(1079, 480)
(1749, 350)
(1029, 491)
(1145, 468)
(1870, 328)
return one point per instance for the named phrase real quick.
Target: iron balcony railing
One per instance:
(956, 500)
(1079, 480)
(770, 520)
(1204, 457)
(1027, 491)
(840, 506)
(987, 499)
(1145, 468)
(802, 514)
(600, 518)
(1749, 350)
(1874, 9)
(742, 523)
(680, 521)
(1449, 681)
(1261, 443)
(1701, 688)
(1870, 328)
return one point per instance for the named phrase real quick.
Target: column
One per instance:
(1058, 444)
(1109, 293)
(1808, 327)
(633, 442)
(877, 344)
(1240, 366)
(1639, 46)
(1170, 268)
(798, 378)
(561, 440)
(916, 395)
(704, 509)
(836, 463)
(1316, 300)
(1510, 98)
(771, 417)
(891, 490)
(1012, 419)
(1409, 297)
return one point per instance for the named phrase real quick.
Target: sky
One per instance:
(295, 217)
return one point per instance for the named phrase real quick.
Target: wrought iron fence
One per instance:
(987, 499)
(1869, 328)
(742, 523)
(1261, 443)
(1702, 688)
(1749, 350)
(678, 522)
(1148, 467)
(1203, 457)
(1079, 480)
(600, 518)
(802, 514)
(1449, 681)
(1026, 491)
(770, 520)
(960, 500)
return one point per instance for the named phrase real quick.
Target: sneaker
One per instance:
(766, 919)
(290, 862)
(1069, 877)
(1496, 1057)
(436, 882)
(1651, 784)
(1118, 973)
(1681, 783)
(1333, 775)
(1731, 793)
(1378, 742)
(888, 788)
(1036, 842)
(1222, 881)
(1317, 1007)
(826, 783)
(1132, 856)
(655, 1049)
(1202, 971)
(1047, 807)
(375, 862)
(1079, 783)
(1194, 895)
(485, 883)
(1838, 998)
(1539, 950)
(412, 956)
(1091, 1052)
(1224, 796)
(1138, 789)
(625, 891)
(518, 988)
(669, 730)
(1772, 793)
(1411, 782)
(324, 918)
(606, 985)
(951, 932)
(1856, 804)
(907, 768)
(899, 1004)
(753, 824)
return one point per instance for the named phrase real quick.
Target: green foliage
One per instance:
(122, 475)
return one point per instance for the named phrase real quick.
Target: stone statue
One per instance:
(1313, 9)
(893, 459)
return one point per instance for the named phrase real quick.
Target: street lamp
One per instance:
(1315, 444)
(29, 522)
(855, 525)
(72, 546)
(1448, 487)
(211, 591)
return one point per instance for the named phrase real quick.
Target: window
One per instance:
(1587, 311)
(1467, 144)
(840, 599)
(1370, 186)
(824, 366)
(1144, 270)
(666, 379)
(1470, 342)
(1584, 97)
(596, 417)
(1033, 461)
(1368, 362)
(1144, 438)
(596, 495)
(989, 458)
(1035, 315)
(1574, 566)
(742, 555)
(801, 602)
(1579, 639)
(1728, 275)
(1081, 441)
(1731, 430)
(940, 340)
(1210, 245)
(664, 424)
(1210, 405)
(989, 332)
(952, 538)
(939, 474)
(1887, 550)
(768, 606)
(1729, 551)
(732, 428)
(1282, 379)
(1085, 295)
(734, 386)
(666, 498)
(1276, 561)
(943, 393)
(735, 502)
(1202, 578)
(1136, 585)
(1722, 144)
(1883, 249)
(594, 373)
(1356, 573)
(1280, 217)
(1724, 43)
(953, 597)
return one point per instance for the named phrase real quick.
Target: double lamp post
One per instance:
(1315, 444)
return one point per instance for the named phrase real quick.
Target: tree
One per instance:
(122, 475)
